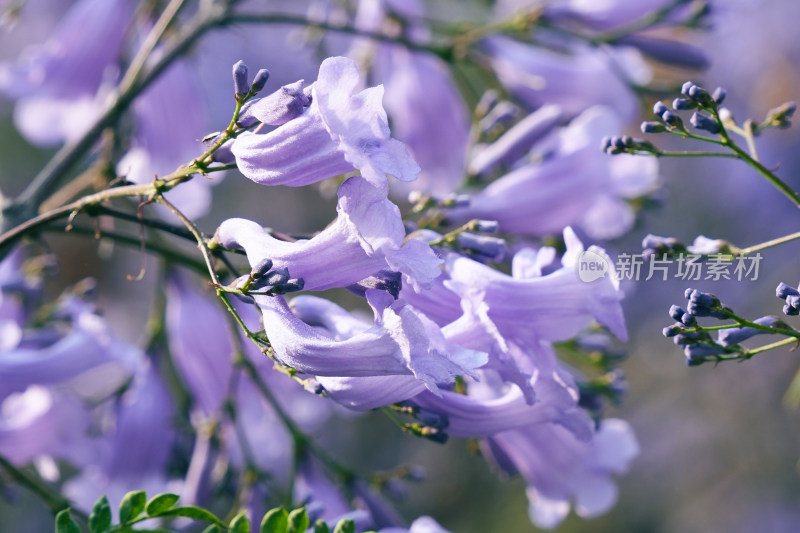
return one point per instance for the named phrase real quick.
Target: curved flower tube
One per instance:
(338, 133)
(366, 237)
(401, 342)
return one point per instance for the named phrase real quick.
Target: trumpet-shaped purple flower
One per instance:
(493, 406)
(560, 469)
(576, 185)
(574, 81)
(338, 133)
(61, 359)
(366, 237)
(428, 115)
(199, 345)
(57, 83)
(40, 422)
(400, 342)
(527, 307)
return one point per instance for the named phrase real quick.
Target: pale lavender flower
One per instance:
(527, 309)
(575, 81)
(493, 406)
(400, 342)
(602, 15)
(57, 83)
(517, 141)
(560, 469)
(576, 185)
(87, 349)
(199, 343)
(428, 115)
(338, 133)
(40, 422)
(366, 237)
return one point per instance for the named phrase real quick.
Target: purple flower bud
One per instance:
(676, 312)
(487, 226)
(659, 108)
(432, 418)
(672, 119)
(671, 331)
(240, 80)
(783, 290)
(261, 268)
(683, 104)
(652, 127)
(730, 337)
(697, 354)
(686, 87)
(385, 280)
(259, 81)
(482, 247)
(719, 95)
(703, 122)
(293, 285)
(278, 108)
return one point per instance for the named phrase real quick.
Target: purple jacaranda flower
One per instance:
(428, 115)
(426, 108)
(57, 83)
(169, 121)
(493, 406)
(199, 343)
(603, 15)
(323, 498)
(575, 81)
(40, 422)
(577, 185)
(400, 342)
(366, 237)
(560, 469)
(517, 141)
(285, 104)
(134, 456)
(338, 133)
(554, 307)
(59, 359)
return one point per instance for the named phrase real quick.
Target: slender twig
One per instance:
(769, 244)
(443, 51)
(26, 205)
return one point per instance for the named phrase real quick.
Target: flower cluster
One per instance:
(441, 332)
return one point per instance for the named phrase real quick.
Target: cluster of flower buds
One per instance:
(792, 298)
(264, 279)
(627, 145)
(695, 98)
(244, 90)
(698, 345)
(655, 246)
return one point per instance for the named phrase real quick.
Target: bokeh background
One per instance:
(719, 449)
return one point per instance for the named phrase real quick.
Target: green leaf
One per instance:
(345, 526)
(160, 503)
(65, 523)
(195, 513)
(298, 521)
(100, 519)
(240, 524)
(275, 521)
(212, 529)
(131, 506)
(320, 526)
